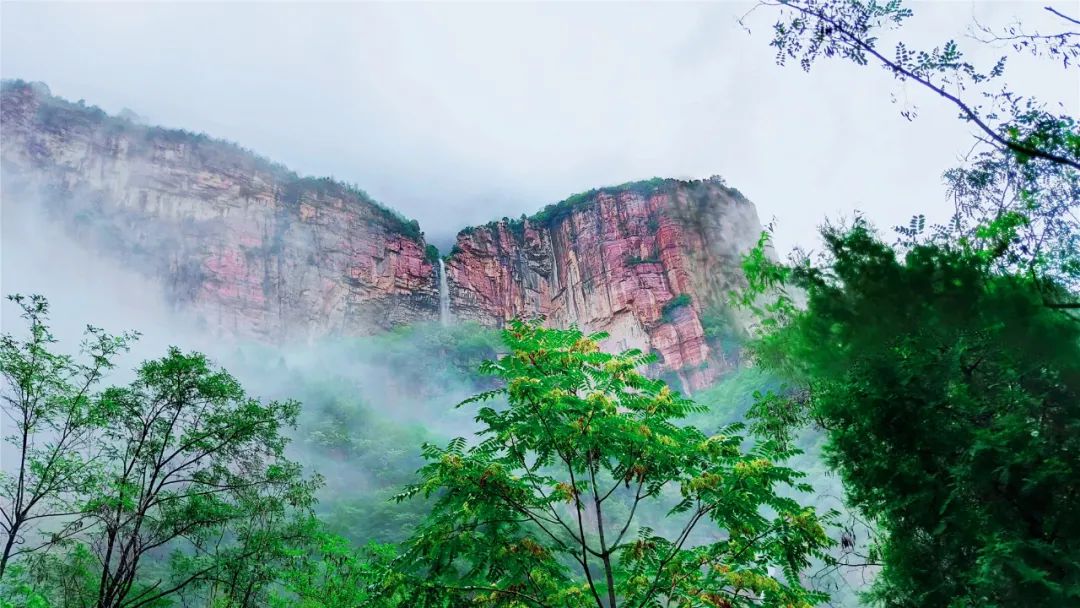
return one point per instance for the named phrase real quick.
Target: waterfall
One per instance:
(554, 271)
(444, 295)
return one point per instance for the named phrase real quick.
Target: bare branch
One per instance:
(1062, 15)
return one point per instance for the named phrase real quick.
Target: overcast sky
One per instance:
(460, 113)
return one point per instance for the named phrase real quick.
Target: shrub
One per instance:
(431, 254)
(669, 308)
(634, 260)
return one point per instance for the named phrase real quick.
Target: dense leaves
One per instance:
(329, 573)
(949, 394)
(944, 369)
(545, 509)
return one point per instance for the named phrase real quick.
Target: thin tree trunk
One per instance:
(604, 554)
(9, 545)
(16, 514)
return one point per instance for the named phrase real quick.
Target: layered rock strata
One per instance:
(255, 251)
(650, 263)
(252, 248)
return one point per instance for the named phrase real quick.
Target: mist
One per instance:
(457, 114)
(354, 392)
(40, 256)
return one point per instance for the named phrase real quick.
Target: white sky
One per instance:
(456, 114)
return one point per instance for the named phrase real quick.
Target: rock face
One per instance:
(255, 251)
(650, 263)
(251, 248)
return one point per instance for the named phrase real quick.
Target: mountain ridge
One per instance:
(260, 251)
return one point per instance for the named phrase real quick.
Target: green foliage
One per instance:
(17, 590)
(459, 349)
(742, 395)
(944, 370)
(721, 332)
(667, 311)
(367, 458)
(729, 399)
(948, 393)
(47, 397)
(431, 254)
(555, 213)
(331, 574)
(1026, 159)
(296, 187)
(634, 260)
(369, 403)
(174, 483)
(192, 461)
(545, 507)
(68, 578)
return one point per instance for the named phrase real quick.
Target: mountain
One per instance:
(259, 252)
(255, 249)
(651, 263)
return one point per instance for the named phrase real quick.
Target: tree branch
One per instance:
(897, 69)
(584, 544)
(1062, 15)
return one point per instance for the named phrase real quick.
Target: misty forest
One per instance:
(286, 393)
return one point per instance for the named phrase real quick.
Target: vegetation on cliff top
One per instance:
(59, 115)
(554, 213)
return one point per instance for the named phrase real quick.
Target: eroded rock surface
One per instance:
(253, 249)
(650, 263)
(256, 251)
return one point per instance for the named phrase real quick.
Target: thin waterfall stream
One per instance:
(444, 295)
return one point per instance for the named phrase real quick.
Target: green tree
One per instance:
(253, 551)
(1026, 157)
(172, 489)
(193, 462)
(551, 505)
(65, 576)
(330, 573)
(949, 394)
(47, 398)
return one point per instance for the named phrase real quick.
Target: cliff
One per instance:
(255, 251)
(251, 248)
(651, 263)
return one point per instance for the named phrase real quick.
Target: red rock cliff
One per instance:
(650, 263)
(256, 251)
(250, 247)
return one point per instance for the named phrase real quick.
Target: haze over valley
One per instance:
(716, 305)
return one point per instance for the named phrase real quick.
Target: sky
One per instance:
(456, 114)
